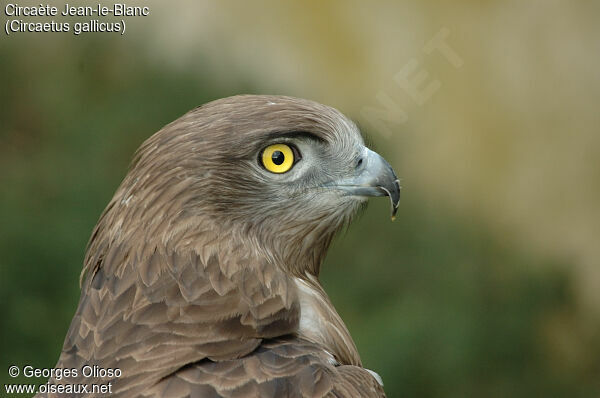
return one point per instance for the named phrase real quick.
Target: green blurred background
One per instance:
(488, 283)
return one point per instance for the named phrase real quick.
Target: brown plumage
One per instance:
(201, 276)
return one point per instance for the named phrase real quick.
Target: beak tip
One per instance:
(394, 196)
(394, 208)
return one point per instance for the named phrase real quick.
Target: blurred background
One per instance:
(487, 284)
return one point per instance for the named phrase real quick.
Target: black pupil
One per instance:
(278, 157)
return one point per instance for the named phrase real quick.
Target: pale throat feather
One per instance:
(321, 324)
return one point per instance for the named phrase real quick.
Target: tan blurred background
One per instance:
(488, 110)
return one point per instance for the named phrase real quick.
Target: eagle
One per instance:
(201, 277)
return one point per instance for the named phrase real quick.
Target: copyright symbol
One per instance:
(13, 371)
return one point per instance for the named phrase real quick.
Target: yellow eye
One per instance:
(278, 158)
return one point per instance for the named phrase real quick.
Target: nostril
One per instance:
(359, 163)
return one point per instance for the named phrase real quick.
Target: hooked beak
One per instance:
(373, 177)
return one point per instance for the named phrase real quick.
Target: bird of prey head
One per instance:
(201, 276)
